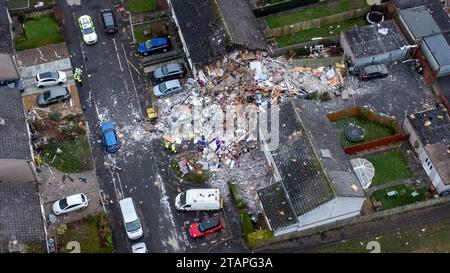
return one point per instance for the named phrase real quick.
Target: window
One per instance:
(431, 167)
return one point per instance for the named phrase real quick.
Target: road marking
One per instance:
(120, 184)
(132, 79)
(117, 54)
(114, 183)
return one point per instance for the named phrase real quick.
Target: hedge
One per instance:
(281, 6)
(237, 195)
(258, 235)
(246, 223)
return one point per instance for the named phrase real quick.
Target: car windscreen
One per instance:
(148, 44)
(133, 226)
(88, 30)
(162, 87)
(108, 19)
(63, 203)
(164, 70)
(46, 95)
(183, 198)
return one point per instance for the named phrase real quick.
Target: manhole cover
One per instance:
(354, 132)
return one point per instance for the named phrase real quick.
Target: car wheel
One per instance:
(165, 50)
(60, 83)
(145, 54)
(40, 86)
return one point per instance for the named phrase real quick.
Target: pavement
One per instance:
(116, 89)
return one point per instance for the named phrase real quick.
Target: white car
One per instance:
(70, 203)
(87, 29)
(50, 78)
(139, 248)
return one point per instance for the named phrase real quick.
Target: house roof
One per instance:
(369, 40)
(325, 137)
(439, 46)
(6, 45)
(432, 126)
(277, 206)
(404, 4)
(444, 85)
(202, 30)
(241, 24)
(14, 139)
(426, 20)
(20, 214)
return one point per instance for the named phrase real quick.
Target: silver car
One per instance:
(167, 88)
(50, 78)
(58, 94)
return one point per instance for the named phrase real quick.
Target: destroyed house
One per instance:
(209, 29)
(16, 154)
(316, 184)
(429, 135)
(374, 44)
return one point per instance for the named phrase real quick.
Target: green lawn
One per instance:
(88, 233)
(75, 155)
(373, 130)
(324, 31)
(138, 6)
(429, 238)
(402, 198)
(389, 166)
(15, 4)
(39, 33)
(324, 9)
(139, 34)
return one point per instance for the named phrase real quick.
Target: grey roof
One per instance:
(432, 126)
(444, 85)
(20, 214)
(404, 4)
(277, 206)
(367, 41)
(426, 20)
(202, 30)
(241, 24)
(439, 46)
(6, 45)
(325, 137)
(14, 140)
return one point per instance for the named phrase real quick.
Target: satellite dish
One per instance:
(364, 171)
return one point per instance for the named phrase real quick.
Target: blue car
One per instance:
(154, 45)
(112, 142)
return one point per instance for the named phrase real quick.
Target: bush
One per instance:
(313, 96)
(325, 96)
(302, 51)
(237, 195)
(21, 17)
(37, 17)
(55, 116)
(246, 222)
(258, 235)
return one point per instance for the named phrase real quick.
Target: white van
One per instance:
(131, 220)
(198, 199)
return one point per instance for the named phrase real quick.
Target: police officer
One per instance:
(166, 145)
(173, 148)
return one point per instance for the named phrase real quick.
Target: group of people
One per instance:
(170, 146)
(78, 76)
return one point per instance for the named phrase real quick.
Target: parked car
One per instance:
(70, 203)
(131, 220)
(50, 78)
(19, 84)
(108, 20)
(373, 72)
(205, 226)
(111, 141)
(167, 88)
(169, 72)
(56, 95)
(154, 45)
(139, 248)
(87, 29)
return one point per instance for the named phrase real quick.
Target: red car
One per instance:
(205, 226)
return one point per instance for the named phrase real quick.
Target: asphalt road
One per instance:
(113, 91)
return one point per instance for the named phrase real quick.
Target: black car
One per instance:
(373, 72)
(109, 22)
(52, 96)
(169, 72)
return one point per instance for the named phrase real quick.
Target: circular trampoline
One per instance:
(354, 132)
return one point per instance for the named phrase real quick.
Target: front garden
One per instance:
(39, 31)
(139, 6)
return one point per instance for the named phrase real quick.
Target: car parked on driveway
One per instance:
(139, 248)
(373, 72)
(169, 72)
(154, 45)
(87, 29)
(167, 88)
(70, 203)
(50, 78)
(52, 96)
(205, 226)
(108, 20)
(111, 141)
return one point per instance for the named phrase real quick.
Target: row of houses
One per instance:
(22, 218)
